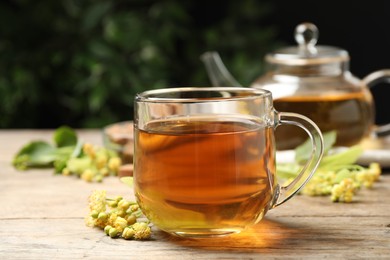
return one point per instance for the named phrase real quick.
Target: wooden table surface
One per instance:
(42, 217)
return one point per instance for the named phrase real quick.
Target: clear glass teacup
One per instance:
(204, 158)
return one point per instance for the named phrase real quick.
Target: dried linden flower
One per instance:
(114, 163)
(141, 231)
(97, 201)
(128, 233)
(120, 224)
(343, 192)
(118, 221)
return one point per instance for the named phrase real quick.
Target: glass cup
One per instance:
(204, 158)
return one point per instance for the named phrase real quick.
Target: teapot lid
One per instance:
(307, 53)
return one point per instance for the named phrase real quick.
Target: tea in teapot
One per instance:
(349, 114)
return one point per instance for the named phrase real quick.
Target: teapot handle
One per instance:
(372, 79)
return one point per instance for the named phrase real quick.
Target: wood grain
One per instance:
(42, 217)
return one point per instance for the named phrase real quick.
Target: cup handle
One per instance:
(372, 79)
(284, 118)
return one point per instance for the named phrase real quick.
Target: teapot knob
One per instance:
(306, 35)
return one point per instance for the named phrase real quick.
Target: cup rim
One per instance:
(227, 94)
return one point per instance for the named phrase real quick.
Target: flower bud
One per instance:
(102, 216)
(123, 204)
(134, 208)
(113, 232)
(87, 175)
(120, 224)
(112, 203)
(128, 233)
(107, 229)
(94, 213)
(114, 163)
(142, 231)
(65, 172)
(131, 219)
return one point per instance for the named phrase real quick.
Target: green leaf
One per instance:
(302, 152)
(128, 181)
(78, 150)
(62, 156)
(94, 15)
(42, 154)
(35, 154)
(288, 170)
(343, 174)
(346, 157)
(78, 165)
(65, 136)
(60, 164)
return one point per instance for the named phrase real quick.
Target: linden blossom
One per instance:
(120, 220)
(337, 176)
(69, 156)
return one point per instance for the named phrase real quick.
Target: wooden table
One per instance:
(42, 217)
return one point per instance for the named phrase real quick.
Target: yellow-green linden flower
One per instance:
(364, 178)
(114, 163)
(375, 169)
(112, 203)
(336, 191)
(120, 212)
(134, 208)
(89, 150)
(107, 229)
(94, 213)
(131, 219)
(97, 201)
(101, 220)
(348, 197)
(111, 219)
(120, 224)
(113, 232)
(102, 215)
(104, 172)
(141, 231)
(124, 204)
(65, 172)
(343, 192)
(118, 198)
(128, 233)
(101, 161)
(87, 175)
(116, 222)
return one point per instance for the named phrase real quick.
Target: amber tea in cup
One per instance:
(204, 161)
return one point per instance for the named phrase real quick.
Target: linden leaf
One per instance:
(128, 181)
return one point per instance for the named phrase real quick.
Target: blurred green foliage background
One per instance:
(80, 62)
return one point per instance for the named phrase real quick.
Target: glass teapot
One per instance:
(314, 81)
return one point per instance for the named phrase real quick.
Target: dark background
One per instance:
(362, 28)
(80, 62)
